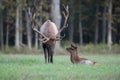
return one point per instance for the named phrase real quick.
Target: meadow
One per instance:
(33, 67)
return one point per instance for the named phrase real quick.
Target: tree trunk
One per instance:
(56, 16)
(7, 35)
(21, 26)
(104, 25)
(71, 24)
(96, 27)
(109, 24)
(17, 27)
(36, 39)
(71, 30)
(29, 39)
(1, 32)
(80, 30)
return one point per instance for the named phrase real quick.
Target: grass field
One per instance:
(32, 67)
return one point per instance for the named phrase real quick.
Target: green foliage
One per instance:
(32, 67)
(66, 43)
(99, 49)
(22, 50)
(94, 49)
(88, 49)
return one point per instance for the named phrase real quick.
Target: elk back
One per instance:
(49, 29)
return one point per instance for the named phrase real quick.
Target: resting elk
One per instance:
(49, 35)
(75, 59)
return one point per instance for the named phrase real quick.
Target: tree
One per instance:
(71, 28)
(36, 39)
(17, 29)
(80, 24)
(28, 27)
(7, 35)
(96, 26)
(109, 24)
(21, 22)
(71, 21)
(1, 31)
(80, 30)
(1, 26)
(56, 16)
(104, 23)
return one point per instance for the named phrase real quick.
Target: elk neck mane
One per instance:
(49, 29)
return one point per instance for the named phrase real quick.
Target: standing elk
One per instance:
(75, 59)
(49, 35)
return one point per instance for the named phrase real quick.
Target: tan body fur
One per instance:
(49, 29)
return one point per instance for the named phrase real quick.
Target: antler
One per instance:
(66, 14)
(44, 39)
(58, 38)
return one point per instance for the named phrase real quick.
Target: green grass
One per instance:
(32, 67)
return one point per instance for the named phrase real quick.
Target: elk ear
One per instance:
(73, 46)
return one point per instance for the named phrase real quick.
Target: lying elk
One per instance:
(76, 59)
(49, 35)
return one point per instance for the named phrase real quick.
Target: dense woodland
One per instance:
(90, 21)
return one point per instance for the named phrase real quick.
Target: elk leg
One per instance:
(45, 52)
(50, 55)
(51, 60)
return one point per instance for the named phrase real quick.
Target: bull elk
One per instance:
(49, 35)
(75, 59)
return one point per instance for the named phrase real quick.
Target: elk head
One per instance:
(50, 34)
(72, 49)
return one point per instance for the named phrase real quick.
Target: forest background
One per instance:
(91, 23)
